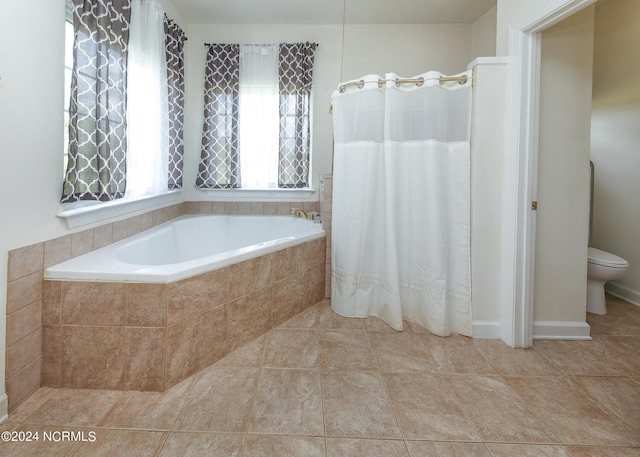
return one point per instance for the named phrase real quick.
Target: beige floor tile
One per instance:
(588, 451)
(426, 408)
(576, 388)
(249, 355)
(321, 316)
(123, 443)
(514, 362)
(414, 327)
(402, 352)
(36, 448)
(567, 410)
(622, 318)
(356, 405)
(375, 324)
(74, 407)
(307, 319)
(331, 320)
(292, 348)
(443, 449)
(622, 353)
(582, 358)
(148, 410)
(602, 325)
(284, 446)
(344, 350)
(619, 395)
(344, 447)
(35, 401)
(219, 401)
(457, 354)
(288, 402)
(497, 412)
(189, 444)
(528, 450)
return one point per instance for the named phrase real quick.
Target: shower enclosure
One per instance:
(401, 204)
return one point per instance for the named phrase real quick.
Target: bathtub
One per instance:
(148, 311)
(187, 246)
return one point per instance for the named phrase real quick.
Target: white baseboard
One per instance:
(551, 330)
(622, 292)
(4, 408)
(486, 330)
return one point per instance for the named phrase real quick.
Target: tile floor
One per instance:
(321, 385)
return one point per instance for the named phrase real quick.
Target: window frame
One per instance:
(84, 212)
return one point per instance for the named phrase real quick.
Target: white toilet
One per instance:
(602, 266)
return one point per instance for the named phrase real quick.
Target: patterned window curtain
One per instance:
(295, 74)
(96, 168)
(220, 159)
(174, 41)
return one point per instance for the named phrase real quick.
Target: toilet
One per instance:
(602, 266)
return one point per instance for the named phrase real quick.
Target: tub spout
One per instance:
(299, 213)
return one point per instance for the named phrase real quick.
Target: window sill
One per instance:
(261, 194)
(78, 217)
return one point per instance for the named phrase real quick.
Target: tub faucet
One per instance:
(299, 213)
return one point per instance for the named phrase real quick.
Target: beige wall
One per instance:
(508, 12)
(563, 173)
(406, 49)
(483, 35)
(615, 138)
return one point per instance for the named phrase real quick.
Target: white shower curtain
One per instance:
(401, 203)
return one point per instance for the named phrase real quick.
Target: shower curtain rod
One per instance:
(416, 81)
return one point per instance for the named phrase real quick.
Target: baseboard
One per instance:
(622, 292)
(551, 330)
(4, 408)
(486, 330)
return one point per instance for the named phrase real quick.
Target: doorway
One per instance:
(519, 261)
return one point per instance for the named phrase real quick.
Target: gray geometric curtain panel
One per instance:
(96, 168)
(295, 76)
(174, 43)
(220, 158)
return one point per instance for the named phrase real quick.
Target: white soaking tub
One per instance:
(187, 246)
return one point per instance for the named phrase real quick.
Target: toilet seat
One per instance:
(606, 259)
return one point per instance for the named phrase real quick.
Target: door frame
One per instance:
(521, 167)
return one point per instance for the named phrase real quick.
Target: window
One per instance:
(258, 116)
(256, 131)
(125, 101)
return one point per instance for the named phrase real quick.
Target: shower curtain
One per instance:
(401, 203)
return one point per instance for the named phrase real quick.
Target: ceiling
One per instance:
(331, 11)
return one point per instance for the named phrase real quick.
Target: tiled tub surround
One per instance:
(24, 292)
(24, 279)
(146, 336)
